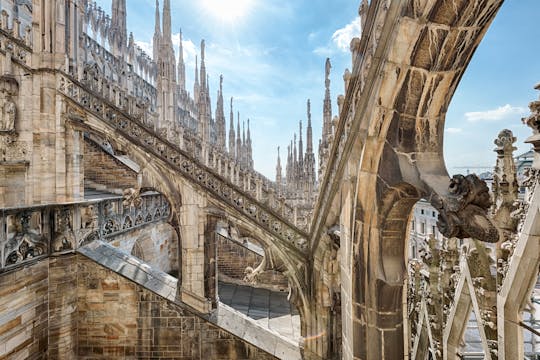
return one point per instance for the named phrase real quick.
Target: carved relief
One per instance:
(89, 225)
(64, 237)
(25, 239)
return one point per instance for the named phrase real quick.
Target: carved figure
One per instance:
(132, 197)
(64, 237)
(463, 212)
(9, 114)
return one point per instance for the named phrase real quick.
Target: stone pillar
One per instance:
(522, 274)
(210, 261)
(192, 228)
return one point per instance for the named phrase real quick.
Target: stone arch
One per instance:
(153, 176)
(395, 212)
(292, 265)
(153, 246)
(379, 269)
(138, 251)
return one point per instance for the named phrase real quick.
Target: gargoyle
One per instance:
(463, 212)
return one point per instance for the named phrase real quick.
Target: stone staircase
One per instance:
(262, 333)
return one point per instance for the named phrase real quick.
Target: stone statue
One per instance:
(9, 114)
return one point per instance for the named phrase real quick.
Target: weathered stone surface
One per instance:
(165, 287)
(129, 321)
(24, 321)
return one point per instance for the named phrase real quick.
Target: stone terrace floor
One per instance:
(270, 309)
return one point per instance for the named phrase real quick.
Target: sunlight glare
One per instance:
(228, 11)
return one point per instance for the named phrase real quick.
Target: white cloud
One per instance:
(323, 51)
(503, 112)
(453, 130)
(342, 37)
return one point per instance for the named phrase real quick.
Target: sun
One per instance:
(228, 11)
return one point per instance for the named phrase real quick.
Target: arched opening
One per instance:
(253, 282)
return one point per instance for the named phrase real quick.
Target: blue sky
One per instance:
(272, 54)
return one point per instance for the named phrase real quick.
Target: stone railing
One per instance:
(266, 214)
(31, 233)
(363, 52)
(124, 75)
(19, 46)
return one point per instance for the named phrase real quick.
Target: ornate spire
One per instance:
(119, 28)
(238, 140)
(181, 65)
(244, 145)
(327, 111)
(249, 149)
(243, 133)
(232, 137)
(295, 157)
(167, 29)
(288, 167)
(309, 166)
(300, 151)
(207, 94)
(220, 118)
(278, 169)
(196, 87)
(203, 67)
(157, 33)
(324, 143)
(309, 145)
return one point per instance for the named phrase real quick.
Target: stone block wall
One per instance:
(233, 259)
(107, 313)
(24, 303)
(157, 245)
(103, 171)
(68, 307)
(62, 343)
(118, 319)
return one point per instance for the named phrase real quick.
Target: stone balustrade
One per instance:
(32, 233)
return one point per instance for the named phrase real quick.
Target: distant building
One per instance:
(423, 225)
